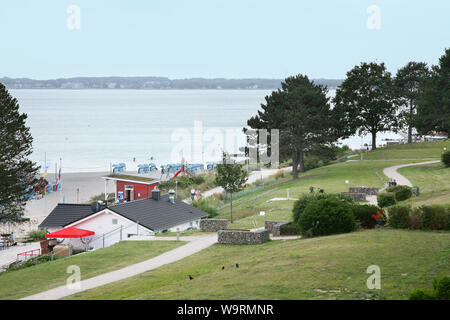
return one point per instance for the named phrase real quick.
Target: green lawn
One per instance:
(331, 178)
(424, 150)
(45, 276)
(332, 267)
(433, 181)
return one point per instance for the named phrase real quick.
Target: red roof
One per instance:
(70, 232)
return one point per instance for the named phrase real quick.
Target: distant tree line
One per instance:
(369, 101)
(150, 83)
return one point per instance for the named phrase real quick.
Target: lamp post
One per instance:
(176, 188)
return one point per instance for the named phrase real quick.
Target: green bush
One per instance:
(434, 217)
(305, 199)
(442, 288)
(326, 216)
(401, 192)
(37, 235)
(33, 261)
(419, 294)
(290, 229)
(399, 217)
(367, 215)
(204, 206)
(446, 158)
(386, 199)
(441, 291)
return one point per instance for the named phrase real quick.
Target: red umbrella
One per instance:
(70, 232)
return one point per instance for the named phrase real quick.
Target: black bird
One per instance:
(190, 277)
(237, 265)
(223, 267)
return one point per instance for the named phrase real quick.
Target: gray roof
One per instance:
(65, 214)
(156, 215)
(159, 214)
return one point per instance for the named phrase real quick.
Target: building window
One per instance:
(114, 221)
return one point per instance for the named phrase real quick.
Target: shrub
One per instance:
(290, 229)
(401, 192)
(277, 175)
(419, 294)
(446, 158)
(442, 288)
(434, 217)
(441, 291)
(305, 199)
(399, 217)
(37, 235)
(326, 216)
(386, 199)
(204, 206)
(367, 215)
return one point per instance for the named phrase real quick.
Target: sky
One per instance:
(49, 39)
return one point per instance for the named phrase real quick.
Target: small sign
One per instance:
(120, 194)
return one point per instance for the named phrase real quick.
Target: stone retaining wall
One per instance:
(371, 191)
(213, 225)
(274, 226)
(243, 237)
(356, 196)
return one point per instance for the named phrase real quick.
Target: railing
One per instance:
(28, 254)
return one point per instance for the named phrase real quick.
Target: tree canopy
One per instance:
(365, 101)
(18, 174)
(433, 110)
(301, 112)
(408, 84)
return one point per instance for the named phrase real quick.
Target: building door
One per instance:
(129, 193)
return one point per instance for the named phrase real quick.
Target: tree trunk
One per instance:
(301, 161)
(295, 165)
(409, 124)
(374, 140)
(231, 206)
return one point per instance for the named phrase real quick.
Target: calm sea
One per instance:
(87, 130)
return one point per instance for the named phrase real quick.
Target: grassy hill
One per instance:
(419, 150)
(21, 283)
(332, 267)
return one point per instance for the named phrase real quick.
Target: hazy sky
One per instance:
(217, 38)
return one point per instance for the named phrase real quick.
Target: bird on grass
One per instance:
(223, 267)
(190, 277)
(237, 265)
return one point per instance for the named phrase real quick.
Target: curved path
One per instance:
(391, 172)
(176, 254)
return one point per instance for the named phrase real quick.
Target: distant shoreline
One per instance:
(154, 83)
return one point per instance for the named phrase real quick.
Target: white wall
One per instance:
(102, 224)
(193, 224)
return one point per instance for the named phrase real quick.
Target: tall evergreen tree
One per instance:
(231, 177)
(433, 110)
(301, 112)
(365, 101)
(408, 82)
(18, 174)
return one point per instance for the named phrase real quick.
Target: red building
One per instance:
(128, 189)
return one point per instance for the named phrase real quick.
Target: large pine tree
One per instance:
(18, 174)
(301, 112)
(433, 110)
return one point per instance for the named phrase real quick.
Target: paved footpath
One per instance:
(179, 253)
(391, 172)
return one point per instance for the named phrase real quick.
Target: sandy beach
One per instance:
(89, 184)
